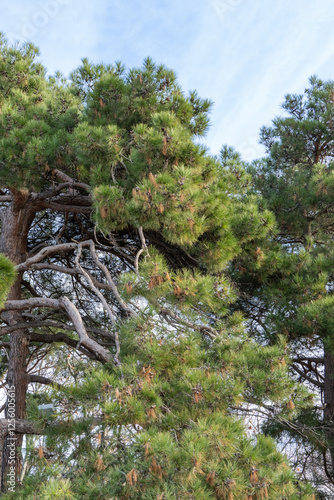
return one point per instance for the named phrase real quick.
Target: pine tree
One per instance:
(121, 227)
(287, 282)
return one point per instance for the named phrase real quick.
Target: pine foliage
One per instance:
(287, 280)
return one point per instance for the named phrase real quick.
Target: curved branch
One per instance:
(84, 339)
(66, 305)
(211, 332)
(66, 178)
(330, 478)
(307, 377)
(65, 203)
(39, 379)
(60, 187)
(109, 279)
(142, 238)
(102, 299)
(137, 258)
(46, 252)
(48, 338)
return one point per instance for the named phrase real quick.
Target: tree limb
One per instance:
(65, 304)
(39, 379)
(211, 332)
(46, 252)
(102, 299)
(48, 338)
(109, 279)
(307, 377)
(22, 426)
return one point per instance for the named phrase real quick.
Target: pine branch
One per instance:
(39, 379)
(46, 252)
(102, 299)
(68, 203)
(5, 330)
(109, 279)
(307, 377)
(66, 305)
(211, 332)
(71, 184)
(22, 426)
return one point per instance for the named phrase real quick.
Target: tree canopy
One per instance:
(124, 317)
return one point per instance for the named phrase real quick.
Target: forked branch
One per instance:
(66, 305)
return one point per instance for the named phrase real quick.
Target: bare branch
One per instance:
(142, 238)
(62, 229)
(65, 185)
(307, 377)
(61, 175)
(326, 468)
(55, 267)
(84, 339)
(211, 332)
(65, 304)
(21, 305)
(46, 252)
(102, 299)
(70, 271)
(308, 360)
(110, 282)
(64, 202)
(39, 379)
(137, 259)
(28, 286)
(22, 426)
(48, 338)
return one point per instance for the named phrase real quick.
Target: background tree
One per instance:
(121, 226)
(287, 282)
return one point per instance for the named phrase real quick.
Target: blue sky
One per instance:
(245, 55)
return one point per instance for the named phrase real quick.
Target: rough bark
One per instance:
(16, 221)
(329, 405)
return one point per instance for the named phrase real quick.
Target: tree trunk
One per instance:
(329, 405)
(16, 221)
